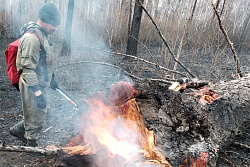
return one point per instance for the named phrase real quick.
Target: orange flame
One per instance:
(115, 123)
(110, 129)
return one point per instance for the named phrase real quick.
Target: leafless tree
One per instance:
(67, 38)
(134, 33)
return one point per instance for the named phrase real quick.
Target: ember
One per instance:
(207, 95)
(115, 124)
(81, 150)
(201, 161)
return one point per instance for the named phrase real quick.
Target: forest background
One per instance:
(190, 27)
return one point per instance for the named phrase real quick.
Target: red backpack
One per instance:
(11, 54)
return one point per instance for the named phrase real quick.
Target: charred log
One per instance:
(188, 130)
(114, 130)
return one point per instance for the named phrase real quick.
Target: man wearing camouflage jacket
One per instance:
(35, 65)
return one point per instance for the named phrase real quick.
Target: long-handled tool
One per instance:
(66, 96)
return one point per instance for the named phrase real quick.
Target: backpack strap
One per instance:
(42, 52)
(33, 31)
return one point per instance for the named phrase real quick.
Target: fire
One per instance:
(116, 124)
(207, 96)
(122, 148)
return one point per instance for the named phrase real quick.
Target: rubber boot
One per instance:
(31, 143)
(18, 131)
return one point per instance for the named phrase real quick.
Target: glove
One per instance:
(41, 102)
(53, 84)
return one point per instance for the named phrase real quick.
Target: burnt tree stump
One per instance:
(187, 131)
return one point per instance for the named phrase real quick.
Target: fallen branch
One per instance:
(169, 81)
(102, 63)
(39, 150)
(240, 74)
(165, 42)
(148, 62)
(81, 150)
(47, 129)
(147, 50)
(143, 60)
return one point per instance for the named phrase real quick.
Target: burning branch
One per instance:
(240, 74)
(81, 150)
(165, 42)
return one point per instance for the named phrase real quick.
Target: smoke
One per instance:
(88, 25)
(89, 49)
(85, 74)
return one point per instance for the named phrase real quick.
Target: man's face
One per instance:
(49, 29)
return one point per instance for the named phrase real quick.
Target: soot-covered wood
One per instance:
(187, 129)
(188, 132)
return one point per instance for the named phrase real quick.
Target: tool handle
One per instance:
(66, 96)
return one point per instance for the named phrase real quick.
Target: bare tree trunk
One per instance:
(222, 7)
(193, 10)
(236, 59)
(130, 15)
(217, 5)
(133, 36)
(67, 39)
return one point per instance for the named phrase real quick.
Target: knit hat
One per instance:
(49, 13)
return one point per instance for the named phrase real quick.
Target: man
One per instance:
(35, 65)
